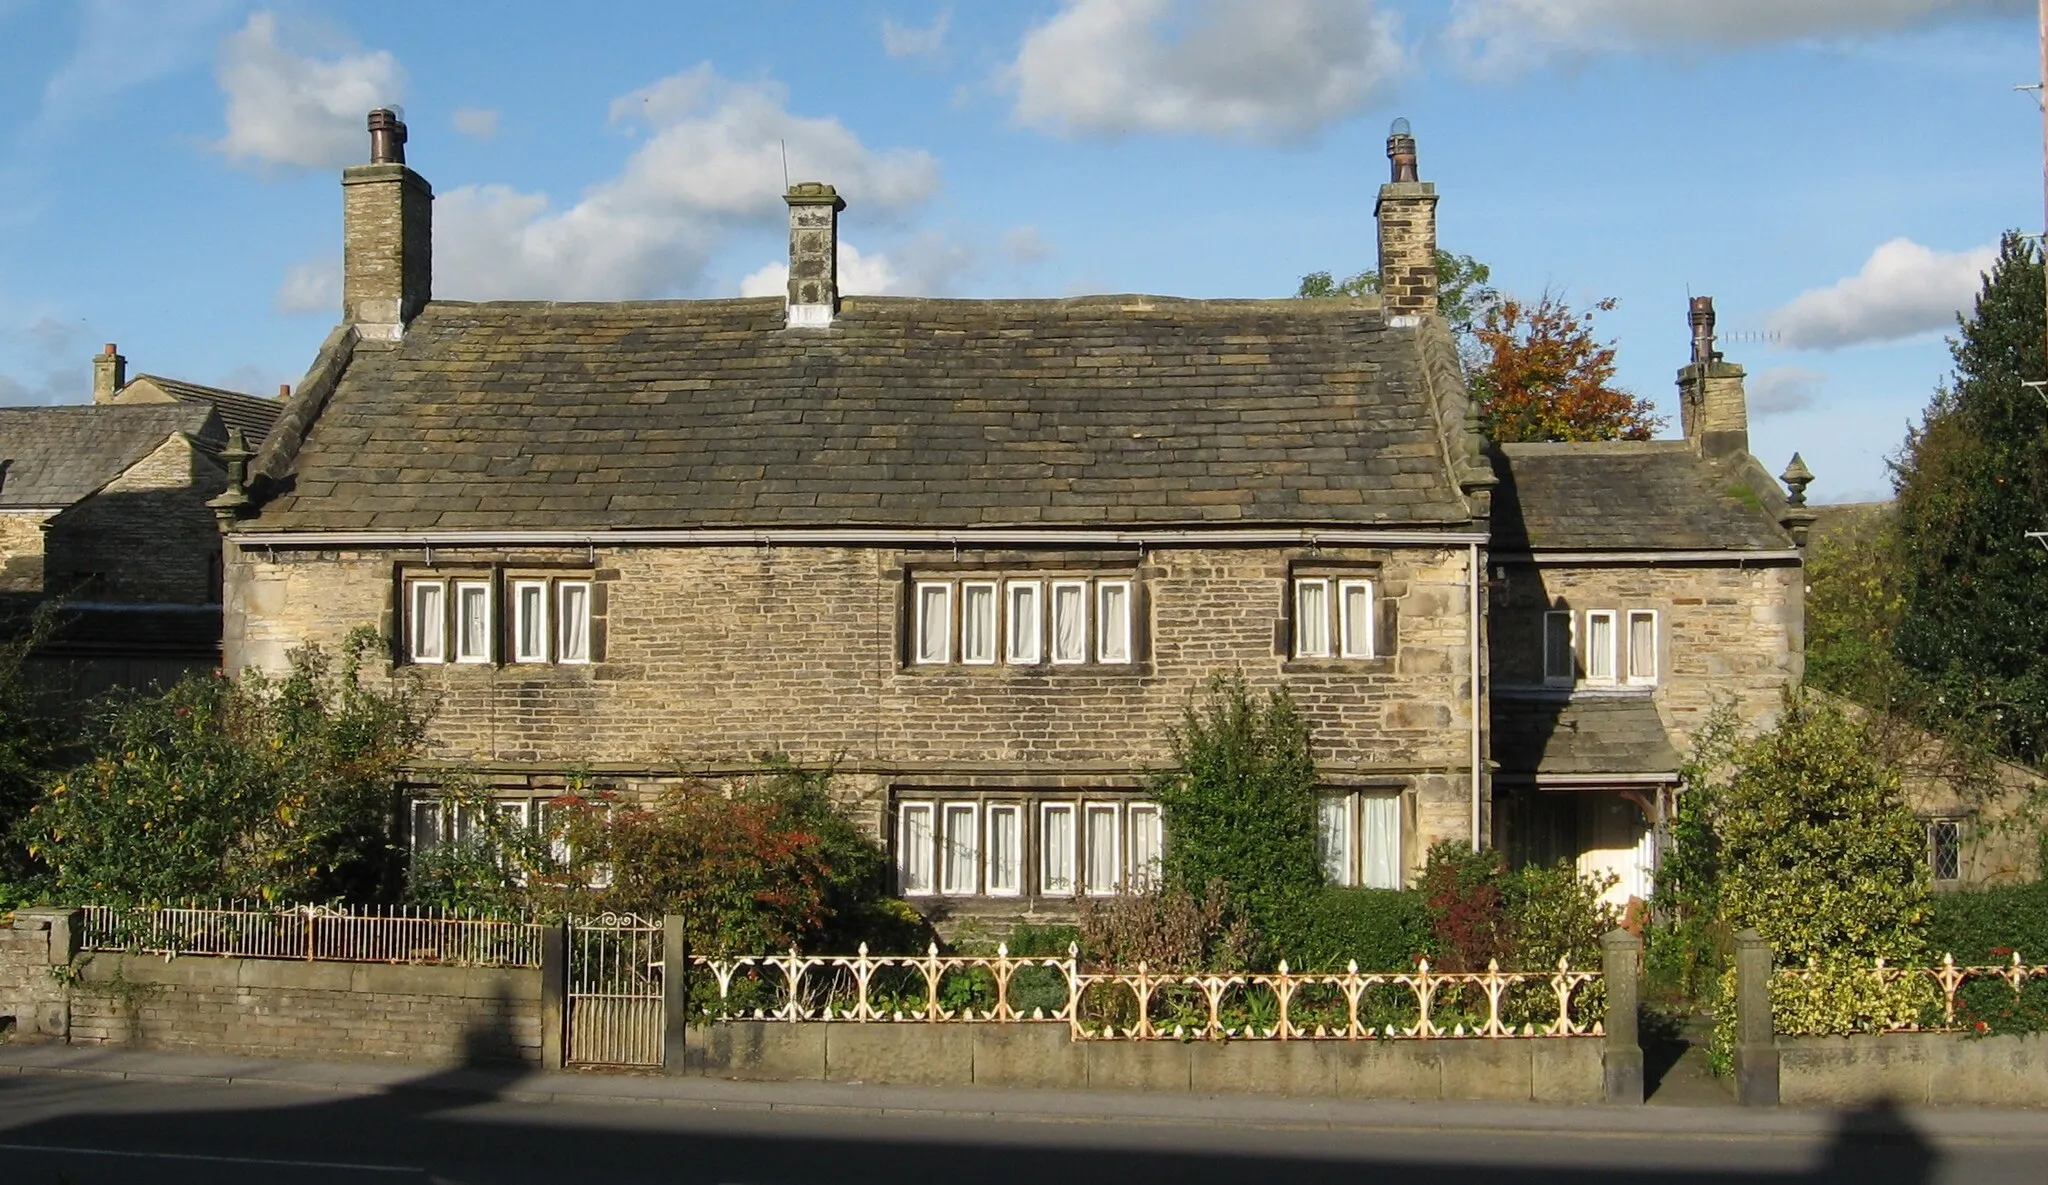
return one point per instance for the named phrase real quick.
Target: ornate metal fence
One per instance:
(615, 991)
(1929, 999)
(348, 934)
(1144, 1005)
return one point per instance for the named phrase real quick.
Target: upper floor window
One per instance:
(1023, 621)
(455, 619)
(1333, 617)
(1600, 646)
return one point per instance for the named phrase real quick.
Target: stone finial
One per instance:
(813, 253)
(1406, 213)
(1797, 519)
(233, 502)
(109, 374)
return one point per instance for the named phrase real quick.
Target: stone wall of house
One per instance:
(1725, 632)
(21, 551)
(710, 655)
(148, 537)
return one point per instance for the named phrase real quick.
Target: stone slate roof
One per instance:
(1609, 734)
(55, 456)
(1084, 412)
(253, 414)
(1632, 496)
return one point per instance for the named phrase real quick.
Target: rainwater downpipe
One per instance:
(1472, 570)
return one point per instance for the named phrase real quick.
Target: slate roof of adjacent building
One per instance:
(1583, 735)
(55, 456)
(934, 413)
(253, 414)
(1632, 496)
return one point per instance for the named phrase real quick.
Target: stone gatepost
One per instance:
(33, 950)
(1756, 1043)
(554, 995)
(675, 994)
(1621, 955)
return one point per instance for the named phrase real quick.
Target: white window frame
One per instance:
(1372, 641)
(995, 621)
(1613, 648)
(1054, 608)
(1361, 848)
(904, 848)
(1086, 843)
(461, 655)
(1107, 641)
(1301, 586)
(1072, 853)
(1143, 879)
(1343, 872)
(414, 634)
(1024, 639)
(572, 627)
(519, 623)
(971, 853)
(919, 652)
(1656, 644)
(1571, 648)
(1014, 812)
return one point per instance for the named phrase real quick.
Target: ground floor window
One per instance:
(1945, 849)
(1026, 844)
(1358, 839)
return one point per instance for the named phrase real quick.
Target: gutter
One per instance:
(887, 536)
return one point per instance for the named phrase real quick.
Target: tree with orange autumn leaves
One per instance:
(1537, 370)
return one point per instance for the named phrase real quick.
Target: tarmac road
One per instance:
(84, 1126)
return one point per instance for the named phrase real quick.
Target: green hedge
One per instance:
(1986, 925)
(1384, 929)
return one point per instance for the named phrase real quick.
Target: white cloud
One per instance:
(859, 275)
(1503, 36)
(711, 163)
(289, 109)
(478, 123)
(1903, 289)
(910, 41)
(124, 44)
(1782, 390)
(311, 286)
(1023, 246)
(1254, 69)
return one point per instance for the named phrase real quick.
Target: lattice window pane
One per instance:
(1945, 848)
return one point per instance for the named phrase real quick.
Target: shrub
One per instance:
(277, 789)
(1461, 888)
(1379, 929)
(1167, 930)
(1983, 926)
(1240, 804)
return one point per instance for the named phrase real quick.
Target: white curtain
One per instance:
(1147, 841)
(1005, 863)
(1104, 859)
(961, 872)
(1642, 646)
(1115, 623)
(1380, 819)
(574, 626)
(934, 622)
(914, 849)
(1333, 838)
(1312, 618)
(1070, 623)
(533, 623)
(1600, 647)
(1025, 626)
(1357, 619)
(429, 626)
(1056, 849)
(473, 605)
(977, 623)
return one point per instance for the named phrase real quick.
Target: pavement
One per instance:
(1958, 1125)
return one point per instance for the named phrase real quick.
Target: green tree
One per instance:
(1240, 805)
(1972, 480)
(1463, 292)
(31, 738)
(278, 789)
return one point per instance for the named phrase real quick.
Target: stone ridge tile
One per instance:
(934, 412)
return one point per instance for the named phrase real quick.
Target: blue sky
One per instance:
(1832, 171)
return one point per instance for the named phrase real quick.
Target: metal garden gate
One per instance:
(614, 997)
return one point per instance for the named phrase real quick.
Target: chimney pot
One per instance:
(387, 137)
(1401, 151)
(110, 351)
(284, 391)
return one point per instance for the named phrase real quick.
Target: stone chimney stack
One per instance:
(1711, 402)
(387, 246)
(1407, 221)
(109, 374)
(813, 253)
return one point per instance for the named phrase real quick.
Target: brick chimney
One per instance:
(109, 374)
(1407, 219)
(1711, 403)
(387, 246)
(813, 253)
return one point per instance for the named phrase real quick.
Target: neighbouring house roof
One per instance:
(1081, 412)
(1580, 736)
(252, 414)
(1650, 495)
(54, 456)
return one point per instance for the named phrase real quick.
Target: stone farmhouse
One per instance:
(982, 553)
(103, 507)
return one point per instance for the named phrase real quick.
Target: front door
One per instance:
(1615, 839)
